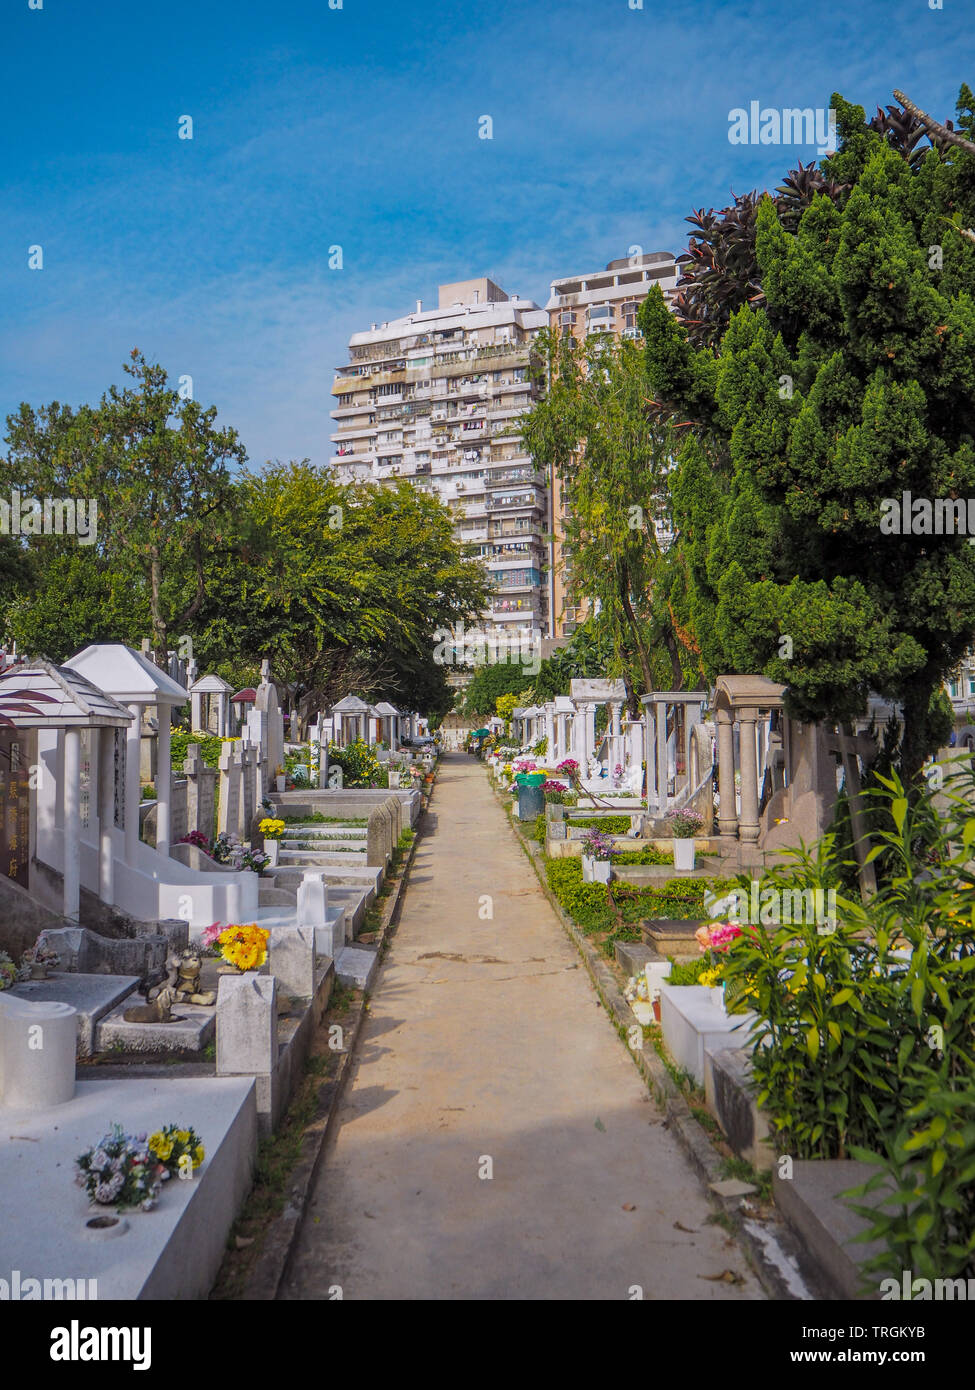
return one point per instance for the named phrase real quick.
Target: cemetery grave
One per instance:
(123, 907)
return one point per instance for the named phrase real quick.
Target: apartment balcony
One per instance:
(471, 536)
(514, 609)
(507, 476)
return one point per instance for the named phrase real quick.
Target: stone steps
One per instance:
(320, 846)
(313, 858)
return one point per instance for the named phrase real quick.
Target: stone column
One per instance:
(660, 720)
(549, 731)
(133, 749)
(106, 814)
(748, 828)
(727, 810)
(164, 780)
(72, 823)
(196, 719)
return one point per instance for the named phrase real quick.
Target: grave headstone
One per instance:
(312, 899)
(247, 1023)
(292, 958)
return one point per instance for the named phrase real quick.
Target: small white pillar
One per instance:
(106, 814)
(133, 740)
(164, 781)
(72, 823)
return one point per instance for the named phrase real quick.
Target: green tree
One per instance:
(592, 426)
(850, 380)
(341, 587)
(160, 472)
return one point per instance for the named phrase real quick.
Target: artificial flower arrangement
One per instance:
(716, 940)
(8, 971)
(178, 1150)
(37, 959)
(227, 849)
(684, 825)
(524, 765)
(121, 1170)
(271, 829)
(242, 946)
(597, 845)
(197, 838)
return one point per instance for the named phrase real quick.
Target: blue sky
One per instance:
(359, 127)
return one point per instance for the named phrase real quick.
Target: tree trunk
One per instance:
(159, 642)
(632, 622)
(916, 740)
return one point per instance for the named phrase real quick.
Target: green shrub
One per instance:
(686, 972)
(611, 825)
(586, 903)
(860, 1052)
(359, 764)
(211, 746)
(649, 854)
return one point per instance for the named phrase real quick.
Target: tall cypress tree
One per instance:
(851, 381)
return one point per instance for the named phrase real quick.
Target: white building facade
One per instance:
(435, 398)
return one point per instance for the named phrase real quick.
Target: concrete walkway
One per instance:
(486, 1049)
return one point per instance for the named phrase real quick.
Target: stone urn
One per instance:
(684, 855)
(272, 849)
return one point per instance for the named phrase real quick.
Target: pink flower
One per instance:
(211, 933)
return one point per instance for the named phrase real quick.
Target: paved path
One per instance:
(485, 1040)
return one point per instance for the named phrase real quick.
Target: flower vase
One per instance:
(394, 780)
(684, 855)
(595, 870)
(38, 972)
(279, 782)
(272, 848)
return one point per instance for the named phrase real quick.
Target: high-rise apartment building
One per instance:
(605, 301)
(435, 397)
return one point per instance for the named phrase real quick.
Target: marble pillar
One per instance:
(727, 810)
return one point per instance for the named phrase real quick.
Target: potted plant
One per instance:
(272, 830)
(684, 825)
(597, 857)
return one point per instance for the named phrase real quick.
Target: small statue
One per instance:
(160, 1010)
(189, 966)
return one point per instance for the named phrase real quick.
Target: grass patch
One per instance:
(317, 818)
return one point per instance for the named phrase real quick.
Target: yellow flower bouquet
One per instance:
(244, 947)
(271, 829)
(180, 1151)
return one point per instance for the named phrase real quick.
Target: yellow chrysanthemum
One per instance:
(161, 1145)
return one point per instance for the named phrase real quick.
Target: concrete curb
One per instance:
(705, 1159)
(273, 1265)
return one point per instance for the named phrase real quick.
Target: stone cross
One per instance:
(228, 819)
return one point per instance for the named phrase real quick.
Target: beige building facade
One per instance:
(434, 397)
(605, 301)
